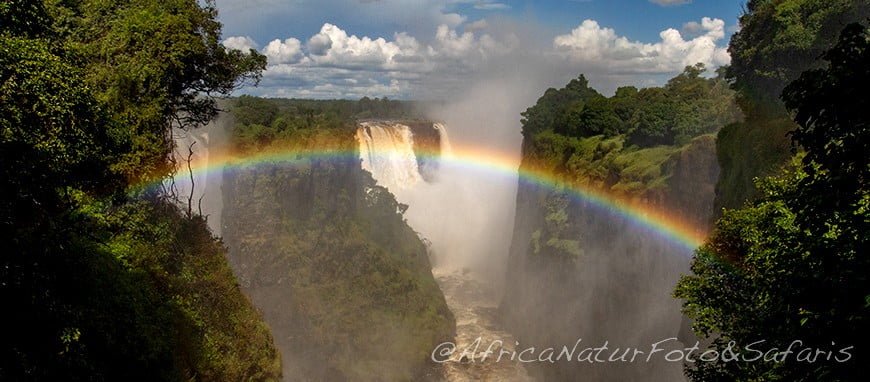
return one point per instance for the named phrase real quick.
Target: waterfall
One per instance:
(445, 205)
(446, 149)
(387, 152)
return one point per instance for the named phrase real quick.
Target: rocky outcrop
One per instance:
(578, 270)
(344, 283)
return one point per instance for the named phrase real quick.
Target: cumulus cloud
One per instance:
(601, 48)
(667, 3)
(333, 63)
(476, 26)
(334, 47)
(243, 43)
(287, 52)
(692, 28)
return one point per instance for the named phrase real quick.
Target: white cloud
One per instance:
(692, 28)
(602, 49)
(452, 44)
(334, 47)
(333, 63)
(488, 5)
(667, 3)
(243, 43)
(476, 26)
(287, 52)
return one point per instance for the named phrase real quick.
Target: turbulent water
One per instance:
(386, 150)
(475, 306)
(406, 159)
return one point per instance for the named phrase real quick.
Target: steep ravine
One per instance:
(617, 290)
(415, 161)
(344, 283)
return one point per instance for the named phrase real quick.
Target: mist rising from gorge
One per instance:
(205, 148)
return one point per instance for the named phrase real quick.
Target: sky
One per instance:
(432, 49)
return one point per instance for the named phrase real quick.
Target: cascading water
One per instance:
(386, 150)
(441, 197)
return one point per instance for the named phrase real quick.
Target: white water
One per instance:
(462, 213)
(465, 212)
(386, 150)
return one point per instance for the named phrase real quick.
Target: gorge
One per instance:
(305, 222)
(182, 204)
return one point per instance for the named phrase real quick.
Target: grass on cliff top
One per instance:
(607, 164)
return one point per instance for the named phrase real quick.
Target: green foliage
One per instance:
(550, 239)
(607, 164)
(554, 103)
(262, 121)
(153, 64)
(747, 150)
(701, 106)
(777, 41)
(688, 106)
(830, 106)
(793, 265)
(24, 18)
(50, 126)
(250, 110)
(653, 120)
(629, 145)
(98, 285)
(780, 39)
(340, 270)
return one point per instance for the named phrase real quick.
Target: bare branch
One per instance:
(192, 185)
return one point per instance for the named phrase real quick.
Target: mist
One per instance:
(618, 291)
(204, 147)
(469, 211)
(478, 239)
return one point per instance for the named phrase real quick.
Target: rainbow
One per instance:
(666, 225)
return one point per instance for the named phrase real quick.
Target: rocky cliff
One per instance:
(344, 283)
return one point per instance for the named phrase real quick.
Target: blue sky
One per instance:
(396, 48)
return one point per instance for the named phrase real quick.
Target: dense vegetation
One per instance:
(344, 282)
(261, 122)
(581, 271)
(792, 265)
(778, 40)
(626, 144)
(100, 280)
(687, 106)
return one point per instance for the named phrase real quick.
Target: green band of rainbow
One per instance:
(667, 225)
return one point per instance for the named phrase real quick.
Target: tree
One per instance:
(597, 117)
(793, 265)
(554, 103)
(830, 105)
(780, 39)
(154, 64)
(24, 18)
(653, 120)
(96, 285)
(250, 110)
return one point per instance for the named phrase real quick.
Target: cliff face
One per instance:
(691, 187)
(344, 283)
(579, 271)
